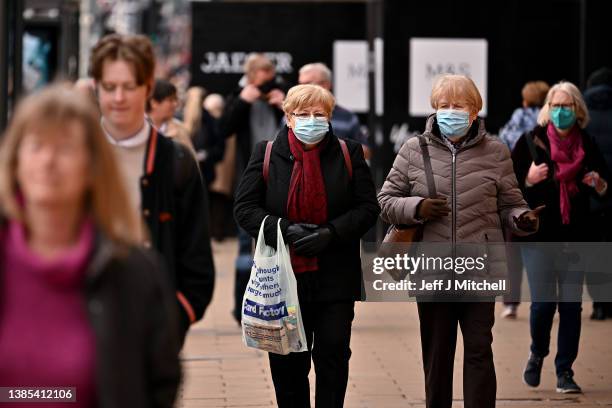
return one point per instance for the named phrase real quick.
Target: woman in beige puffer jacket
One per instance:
(477, 194)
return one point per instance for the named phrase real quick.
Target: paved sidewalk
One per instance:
(386, 364)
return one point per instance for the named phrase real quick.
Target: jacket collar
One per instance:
(138, 139)
(475, 135)
(104, 252)
(147, 134)
(540, 131)
(159, 153)
(149, 164)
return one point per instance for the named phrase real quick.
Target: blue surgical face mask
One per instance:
(453, 123)
(310, 130)
(562, 117)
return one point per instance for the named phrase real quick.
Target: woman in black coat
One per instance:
(558, 165)
(323, 192)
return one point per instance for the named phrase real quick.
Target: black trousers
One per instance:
(328, 333)
(438, 322)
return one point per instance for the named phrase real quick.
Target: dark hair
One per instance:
(137, 50)
(161, 90)
(603, 76)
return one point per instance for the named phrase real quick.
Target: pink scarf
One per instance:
(568, 155)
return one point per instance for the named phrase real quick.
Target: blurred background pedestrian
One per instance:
(598, 98)
(161, 110)
(523, 120)
(344, 122)
(253, 114)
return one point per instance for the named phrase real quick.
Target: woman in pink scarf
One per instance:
(558, 165)
(81, 307)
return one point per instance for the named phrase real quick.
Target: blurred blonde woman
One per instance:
(523, 119)
(203, 128)
(71, 273)
(192, 110)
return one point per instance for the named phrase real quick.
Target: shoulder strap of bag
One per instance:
(266, 163)
(532, 148)
(347, 158)
(343, 146)
(431, 184)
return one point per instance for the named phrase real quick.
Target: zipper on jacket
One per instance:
(454, 208)
(486, 254)
(454, 153)
(453, 200)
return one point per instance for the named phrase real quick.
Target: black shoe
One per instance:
(599, 313)
(567, 385)
(533, 371)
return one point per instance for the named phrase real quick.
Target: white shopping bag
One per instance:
(271, 318)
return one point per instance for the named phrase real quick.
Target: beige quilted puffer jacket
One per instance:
(477, 180)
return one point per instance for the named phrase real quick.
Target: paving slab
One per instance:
(386, 365)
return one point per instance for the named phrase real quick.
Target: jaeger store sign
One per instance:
(233, 62)
(225, 33)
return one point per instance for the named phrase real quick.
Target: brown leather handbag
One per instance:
(400, 236)
(403, 234)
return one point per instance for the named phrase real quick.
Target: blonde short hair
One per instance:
(456, 88)
(256, 62)
(582, 113)
(303, 96)
(54, 108)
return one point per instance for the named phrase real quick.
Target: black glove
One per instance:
(298, 231)
(432, 208)
(314, 243)
(529, 220)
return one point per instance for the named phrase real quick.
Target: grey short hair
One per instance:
(319, 67)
